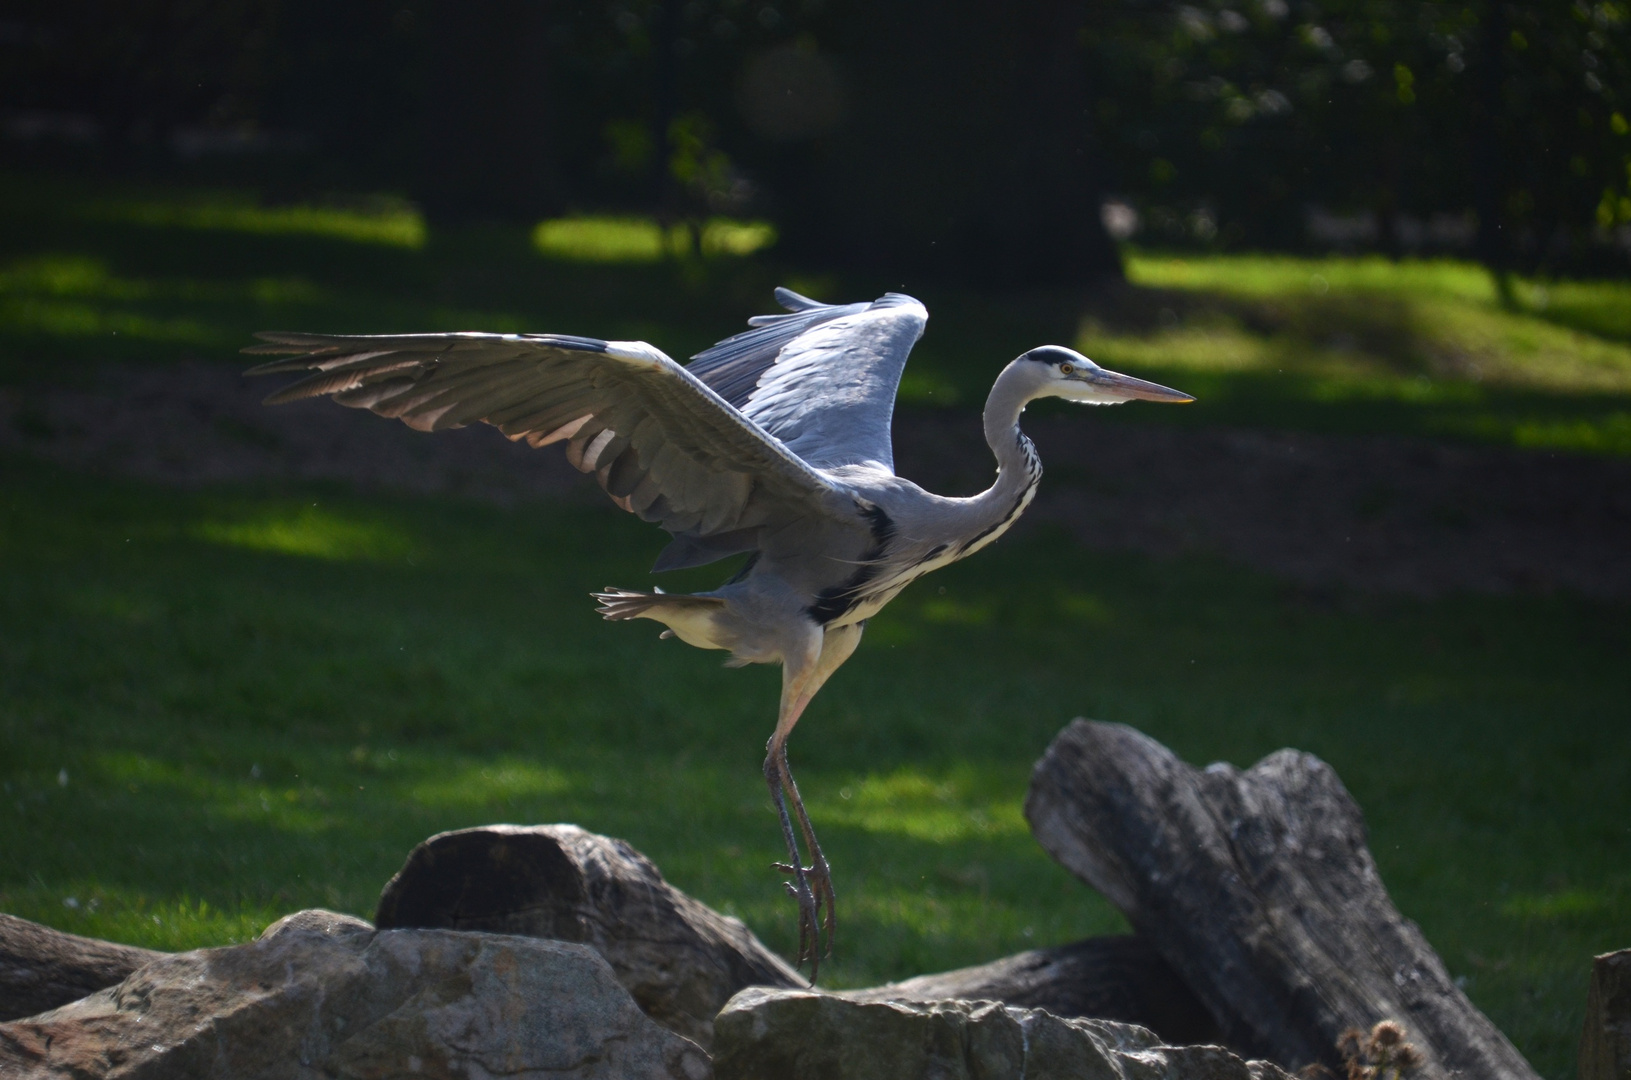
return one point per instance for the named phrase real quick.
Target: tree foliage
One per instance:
(969, 138)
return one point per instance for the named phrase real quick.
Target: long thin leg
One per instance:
(818, 872)
(811, 885)
(799, 888)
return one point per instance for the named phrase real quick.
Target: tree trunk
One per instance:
(1605, 1044)
(1259, 889)
(1104, 978)
(42, 968)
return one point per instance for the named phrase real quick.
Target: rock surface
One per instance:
(42, 968)
(679, 958)
(1605, 1044)
(806, 1035)
(1106, 978)
(324, 995)
(1259, 889)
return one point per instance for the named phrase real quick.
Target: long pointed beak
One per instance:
(1117, 383)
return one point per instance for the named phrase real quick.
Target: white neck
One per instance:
(992, 512)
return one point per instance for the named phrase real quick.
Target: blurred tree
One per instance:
(954, 137)
(1226, 120)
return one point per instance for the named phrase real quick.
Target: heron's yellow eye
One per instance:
(1066, 368)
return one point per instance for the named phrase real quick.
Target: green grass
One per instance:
(224, 705)
(91, 272)
(219, 706)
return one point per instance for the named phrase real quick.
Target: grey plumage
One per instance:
(774, 442)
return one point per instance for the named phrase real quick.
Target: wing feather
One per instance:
(823, 378)
(657, 438)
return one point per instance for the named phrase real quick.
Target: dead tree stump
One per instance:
(42, 968)
(1605, 1044)
(1259, 889)
(1103, 978)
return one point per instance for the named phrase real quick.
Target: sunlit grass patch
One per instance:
(311, 532)
(480, 784)
(1557, 905)
(915, 804)
(634, 239)
(393, 223)
(159, 920)
(1290, 275)
(1345, 319)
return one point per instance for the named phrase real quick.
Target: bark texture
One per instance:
(1259, 889)
(1107, 978)
(42, 968)
(1605, 1044)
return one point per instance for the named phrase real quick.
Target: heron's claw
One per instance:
(812, 888)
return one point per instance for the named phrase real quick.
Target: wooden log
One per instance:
(1259, 889)
(1605, 1043)
(1103, 978)
(42, 968)
(680, 959)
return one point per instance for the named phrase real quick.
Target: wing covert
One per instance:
(823, 378)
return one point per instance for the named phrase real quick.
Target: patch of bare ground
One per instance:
(1382, 513)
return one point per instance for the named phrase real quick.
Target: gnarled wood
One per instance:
(680, 959)
(1104, 978)
(42, 968)
(1605, 1043)
(1259, 889)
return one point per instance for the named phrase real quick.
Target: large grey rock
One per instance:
(325, 995)
(765, 1034)
(1605, 1044)
(679, 958)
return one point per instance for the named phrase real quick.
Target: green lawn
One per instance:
(91, 272)
(221, 705)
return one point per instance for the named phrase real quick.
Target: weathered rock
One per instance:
(1259, 889)
(1605, 1044)
(41, 968)
(324, 995)
(680, 959)
(767, 1034)
(1106, 978)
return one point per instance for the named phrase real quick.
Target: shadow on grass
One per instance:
(1338, 345)
(213, 728)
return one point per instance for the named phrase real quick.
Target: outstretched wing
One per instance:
(662, 444)
(822, 378)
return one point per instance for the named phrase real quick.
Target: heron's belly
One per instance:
(877, 594)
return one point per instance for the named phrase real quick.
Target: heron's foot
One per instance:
(812, 888)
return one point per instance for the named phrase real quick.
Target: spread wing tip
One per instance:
(793, 301)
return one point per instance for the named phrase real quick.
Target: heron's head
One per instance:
(1065, 373)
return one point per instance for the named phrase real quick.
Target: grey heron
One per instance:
(774, 443)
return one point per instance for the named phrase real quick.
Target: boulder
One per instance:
(1605, 1044)
(765, 1034)
(41, 968)
(321, 994)
(679, 958)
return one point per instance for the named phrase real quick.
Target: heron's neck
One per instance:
(1019, 469)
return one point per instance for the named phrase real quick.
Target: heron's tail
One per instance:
(619, 604)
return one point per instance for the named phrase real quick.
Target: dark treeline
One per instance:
(984, 141)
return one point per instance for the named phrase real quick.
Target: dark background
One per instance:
(971, 141)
